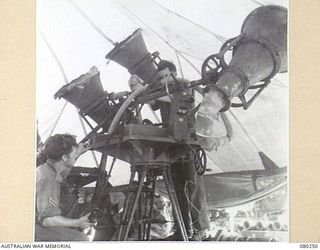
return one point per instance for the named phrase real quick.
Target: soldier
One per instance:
(54, 214)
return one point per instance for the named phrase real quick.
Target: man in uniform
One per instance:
(55, 211)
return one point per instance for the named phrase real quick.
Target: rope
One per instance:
(62, 72)
(187, 54)
(219, 37)
(50, 119)
(66, 81)
(180, 67)
(160, 37)
(190, 63)
(54, 55)
(56, 122)
(257, 3)
(92, 23)
(148, 26)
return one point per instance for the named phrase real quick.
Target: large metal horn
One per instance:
(87, 94)
(132, 54)
(258, 54)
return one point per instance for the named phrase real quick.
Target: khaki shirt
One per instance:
(47, 193)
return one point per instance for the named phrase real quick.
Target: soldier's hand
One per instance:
(84, 221)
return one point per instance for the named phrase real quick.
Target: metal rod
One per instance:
(126, 205)
(154, 113)
(134, 206)
(56, 122)
(86, 133)
(145, 208)
(140, 207)
(86, 120)
(174, 201)
(151, 206)
(100, 181)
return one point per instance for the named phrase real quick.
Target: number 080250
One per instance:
(308, 245)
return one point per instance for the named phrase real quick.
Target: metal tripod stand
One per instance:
(140, 198)
(150, 151)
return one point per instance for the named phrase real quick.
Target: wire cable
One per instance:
(188, 61)
(257, 3)
(92, 23)
(192, 56)
(57, 120)
(62, 72)
(219, 37)
(190, 202)
(180, 67)
(54, 55)
(66, 81)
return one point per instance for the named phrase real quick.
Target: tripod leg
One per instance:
(151, 199)
(174, 200)
(123, 222)
(141, 211)
(135, 203)
(144, 210)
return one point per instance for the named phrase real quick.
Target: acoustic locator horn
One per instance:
(258, 54)
(87, 94)
(132, 54)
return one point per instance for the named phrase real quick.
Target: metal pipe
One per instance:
(123, 108)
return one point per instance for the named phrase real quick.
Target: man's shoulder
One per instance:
(44, 172)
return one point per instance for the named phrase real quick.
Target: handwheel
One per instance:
(210, 68)
(200, 161)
